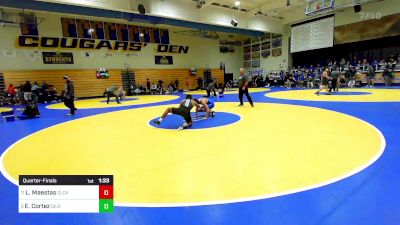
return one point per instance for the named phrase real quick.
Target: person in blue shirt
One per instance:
(302, 79)
(206, 105)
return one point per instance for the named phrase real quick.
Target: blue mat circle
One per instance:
(172, 122)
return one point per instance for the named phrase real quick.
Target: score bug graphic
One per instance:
(66, 194)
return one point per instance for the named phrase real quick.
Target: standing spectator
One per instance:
(45, 86)
(170, 89)
(370, 77)
(177, 84)
(187, 83)
(27, 89)
(148, 85)
(11, 90)
(45, 96)
(69, 95)
(160, 86)
(243, 88)
(35, 91)
(267, 81)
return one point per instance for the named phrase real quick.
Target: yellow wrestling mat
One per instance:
(274, 149)
(5, 109)
(229, 91)
(101, 102)
(344, 95)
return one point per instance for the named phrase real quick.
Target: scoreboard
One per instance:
(66, 194)
(313, 34)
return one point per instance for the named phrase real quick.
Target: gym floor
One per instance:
(295, 158)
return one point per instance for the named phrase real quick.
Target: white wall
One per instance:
(201, 52)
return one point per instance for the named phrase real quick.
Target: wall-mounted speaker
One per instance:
(141, 9)
(234, 23)
(357, 8)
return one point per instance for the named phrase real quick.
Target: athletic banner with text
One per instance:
(58, 58)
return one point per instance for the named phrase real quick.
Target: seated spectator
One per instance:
(136, 91)
(365, 65)
(342, 62)
(354, 62)
(289, 81)
(392, 62)
(310, 79)
(170, 89)
(142, 89)
(358, 80)
(352, 76)
(302, 79)
(387, 77)
(154, 88)
(342, 80)
(382, 65)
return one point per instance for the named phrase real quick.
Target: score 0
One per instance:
(106, 195)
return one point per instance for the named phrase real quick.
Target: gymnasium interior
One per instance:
(291, 112)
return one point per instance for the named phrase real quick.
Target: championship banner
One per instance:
(256, 72)
(163, 60)
(58, 58)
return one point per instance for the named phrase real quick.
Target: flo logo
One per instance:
(370, 15)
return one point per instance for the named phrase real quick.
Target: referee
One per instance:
(69, 95)
(335, 76)
(243, 88)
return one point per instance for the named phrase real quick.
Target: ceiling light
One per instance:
(237, 3)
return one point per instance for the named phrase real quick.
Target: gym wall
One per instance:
(26, 63)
